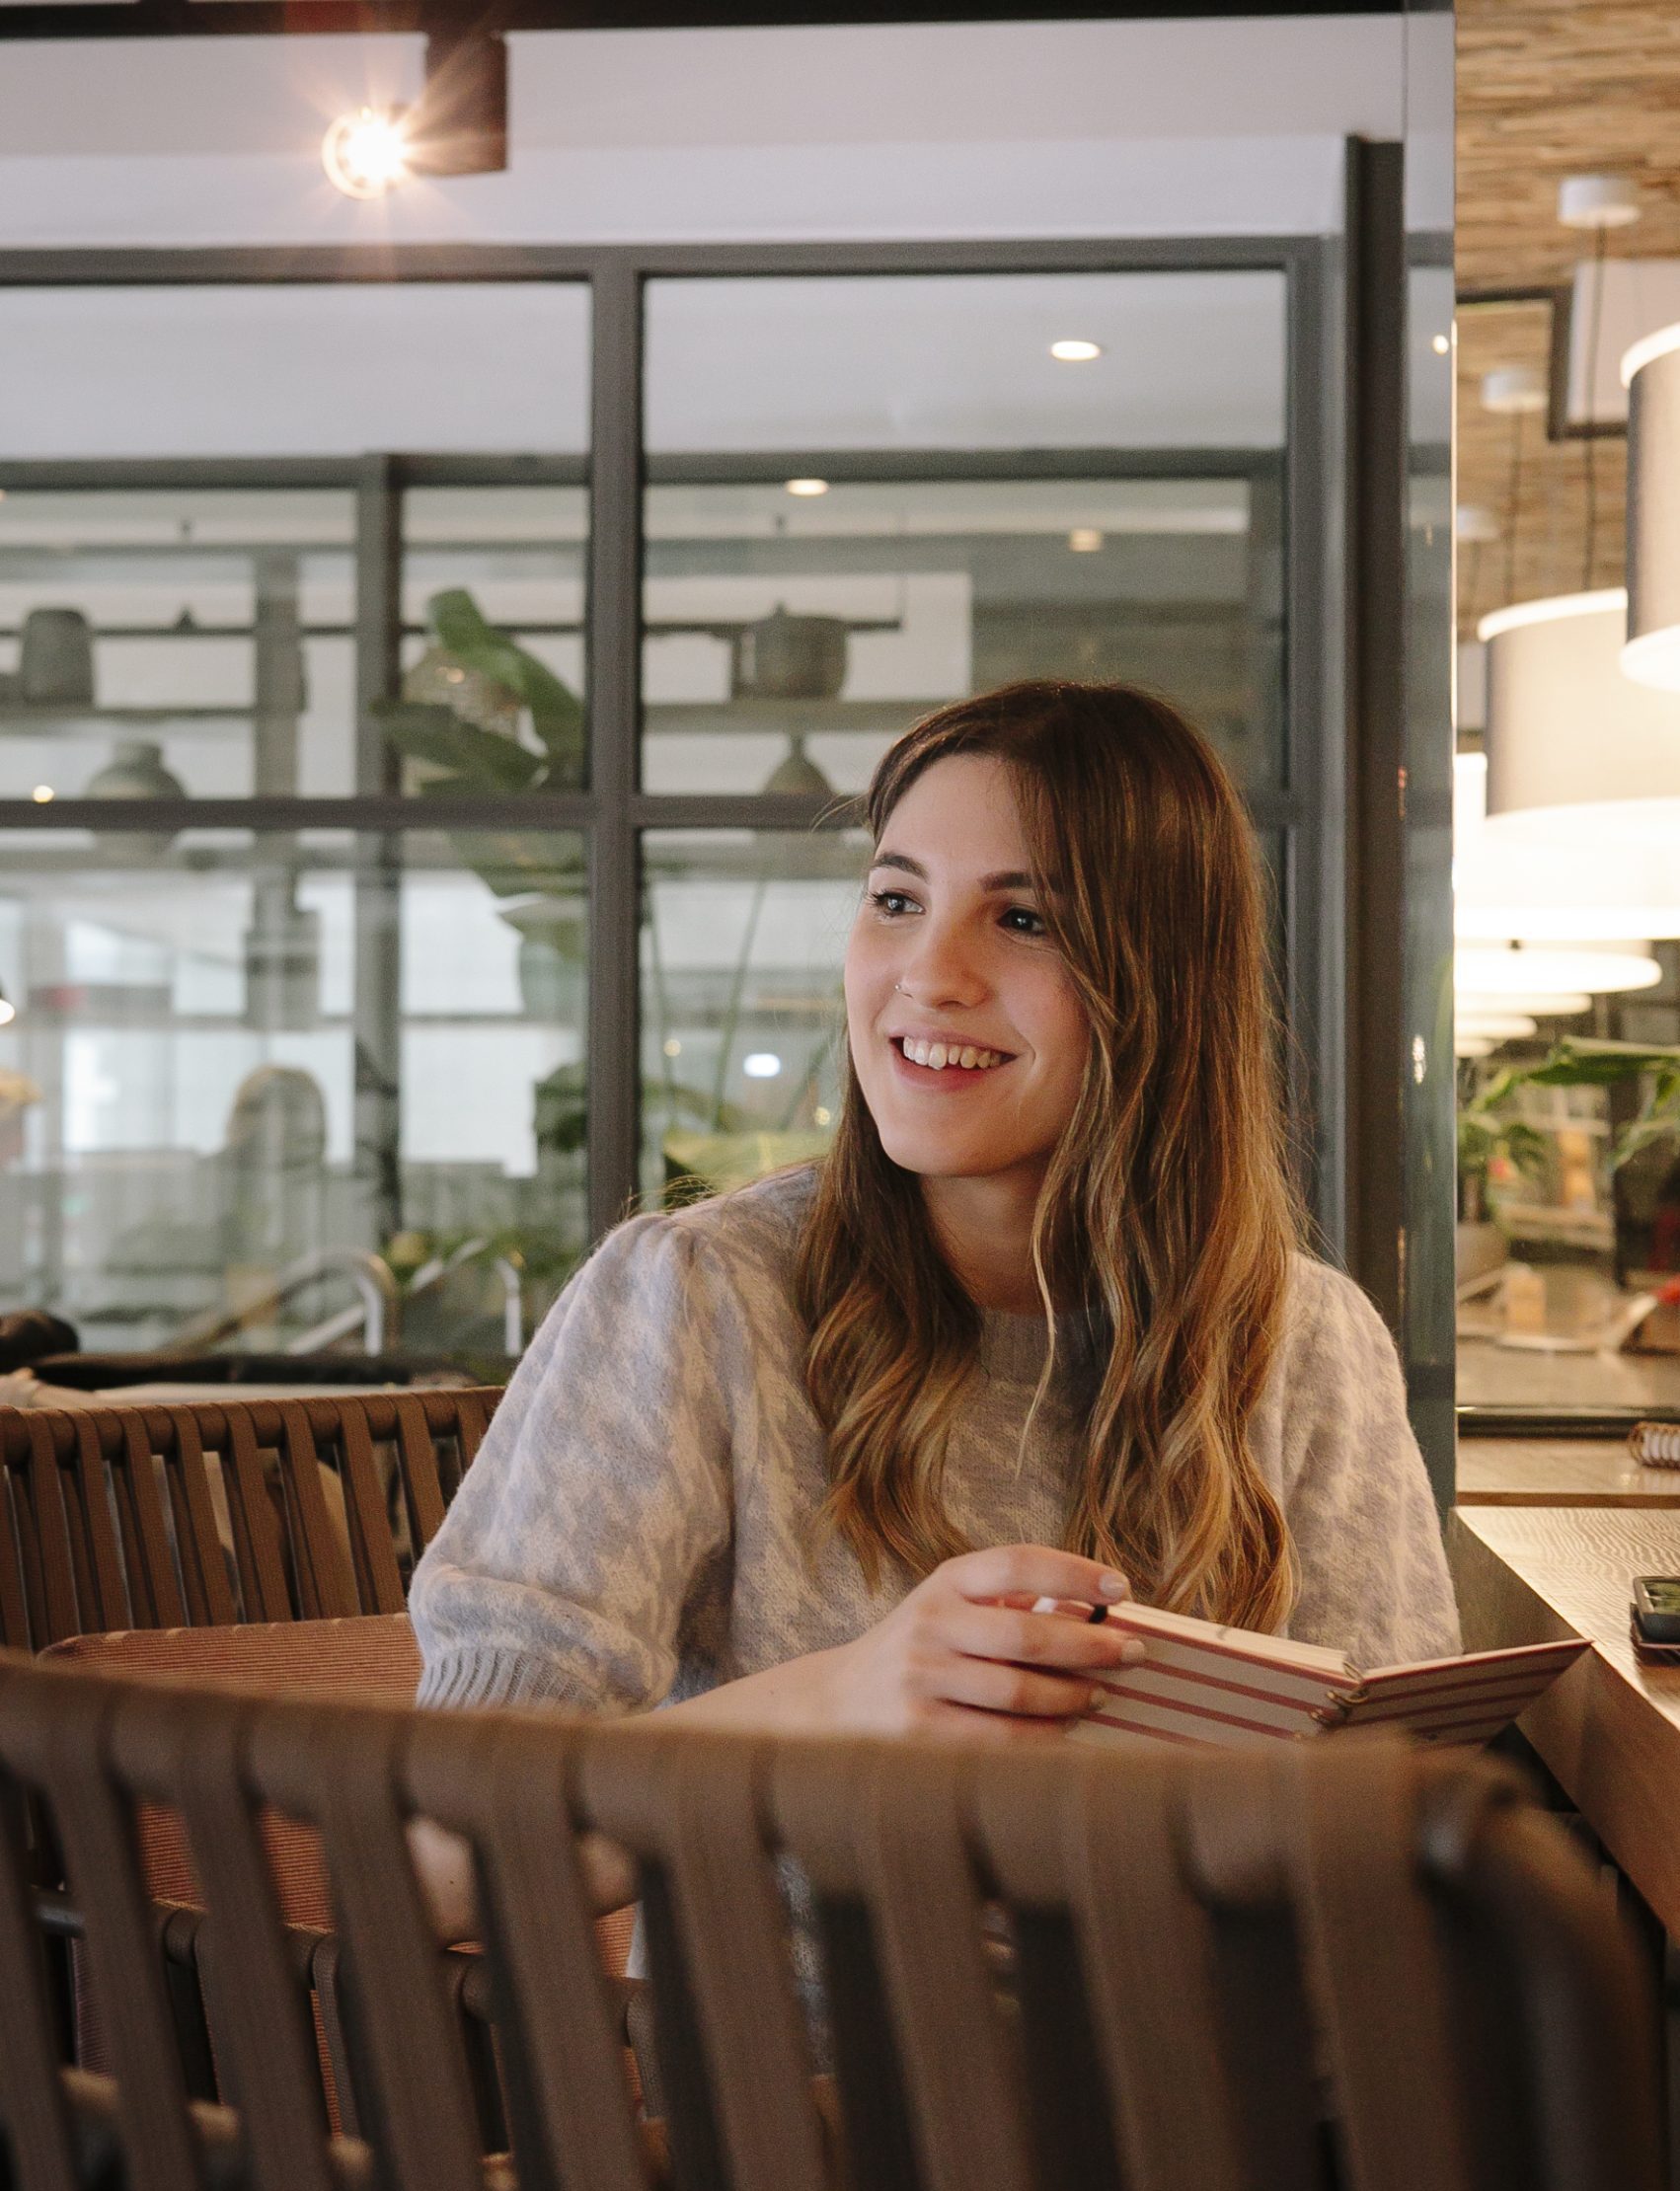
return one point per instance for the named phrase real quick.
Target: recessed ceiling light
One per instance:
(1076, 351)
(1085, 540)
(1440, 345)
(807, 486)
(672, 1047)
(41, 793)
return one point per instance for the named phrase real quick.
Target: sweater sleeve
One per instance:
(601, 1492)
(1374, 1580)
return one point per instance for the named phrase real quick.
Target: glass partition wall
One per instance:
(431, 725)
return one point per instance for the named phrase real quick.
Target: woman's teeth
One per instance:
(938, 1055)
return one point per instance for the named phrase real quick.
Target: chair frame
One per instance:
(113, 1520)
(1412, 1928)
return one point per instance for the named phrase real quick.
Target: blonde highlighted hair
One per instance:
(1168, 1215)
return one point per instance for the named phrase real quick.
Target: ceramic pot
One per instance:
(55, 658)
(135, 770)
(790, 657)
(797, 773)
(553, 944)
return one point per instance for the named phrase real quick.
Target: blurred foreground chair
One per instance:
(216, 1511)
(1214, 1957)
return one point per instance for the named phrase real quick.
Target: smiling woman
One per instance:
(1037, 1327)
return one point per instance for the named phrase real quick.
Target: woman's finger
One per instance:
(1022, 1691)
(1035, 1638)
(1035, 1571)
(963, 1723)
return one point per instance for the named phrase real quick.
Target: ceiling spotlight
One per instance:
(1440, 345)
(1085, 540)
(457, 127)
(1076, 352)
(41, 793)
(807, 486)
(366, 154)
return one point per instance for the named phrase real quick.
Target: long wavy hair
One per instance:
(1164, 1229)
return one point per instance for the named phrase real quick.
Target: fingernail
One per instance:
(1132, 1651)
(1114, 1585)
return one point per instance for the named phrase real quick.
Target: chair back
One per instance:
(1158, 1970)
(208, 1512)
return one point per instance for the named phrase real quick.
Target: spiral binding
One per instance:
(1655, 1444)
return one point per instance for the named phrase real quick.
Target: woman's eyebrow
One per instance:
(1010, 878)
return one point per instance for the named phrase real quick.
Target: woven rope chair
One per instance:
(216, 1511)
(1219, 1970)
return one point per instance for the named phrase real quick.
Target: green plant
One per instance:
(470, 759)
(1488, 1128)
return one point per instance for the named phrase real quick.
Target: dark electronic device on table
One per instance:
(1656, 1608)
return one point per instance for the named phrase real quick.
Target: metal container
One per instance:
(790, 657)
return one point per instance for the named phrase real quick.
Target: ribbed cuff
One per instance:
(491, 1677)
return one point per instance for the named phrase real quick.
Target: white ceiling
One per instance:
(1021, 128)
(1115, 128)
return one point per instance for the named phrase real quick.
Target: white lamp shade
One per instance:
(1494, 1026)
(1533, 1004)
(1550, 969)
(1577, 751)
(1510, 886)
(1652, 373)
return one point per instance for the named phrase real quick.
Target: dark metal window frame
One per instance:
(1302, 811)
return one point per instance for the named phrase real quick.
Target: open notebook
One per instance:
(1202, 1682)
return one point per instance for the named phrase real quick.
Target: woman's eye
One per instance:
(1024, 921)
(891, 901)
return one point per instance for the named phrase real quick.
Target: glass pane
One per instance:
(790, 641)
(743, 935)
(294, 371)
(258, 1089)
(963, 361)
(797, 623)
(511, 558)
(1567, 1211)
(191, 643)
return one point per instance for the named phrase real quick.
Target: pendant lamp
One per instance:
(1651, 373)
(1508, 889)
(1579, 755)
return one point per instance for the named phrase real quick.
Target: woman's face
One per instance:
(948, 960)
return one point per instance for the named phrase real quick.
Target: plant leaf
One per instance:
(557, 712)
(488, 761)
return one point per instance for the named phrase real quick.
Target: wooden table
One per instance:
(1610, 1728)
(1560, 1472)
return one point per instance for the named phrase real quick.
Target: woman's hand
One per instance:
(967, 1654)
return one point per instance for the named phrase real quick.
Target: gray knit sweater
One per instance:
(637, 1526)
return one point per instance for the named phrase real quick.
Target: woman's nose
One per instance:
(941, 969)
